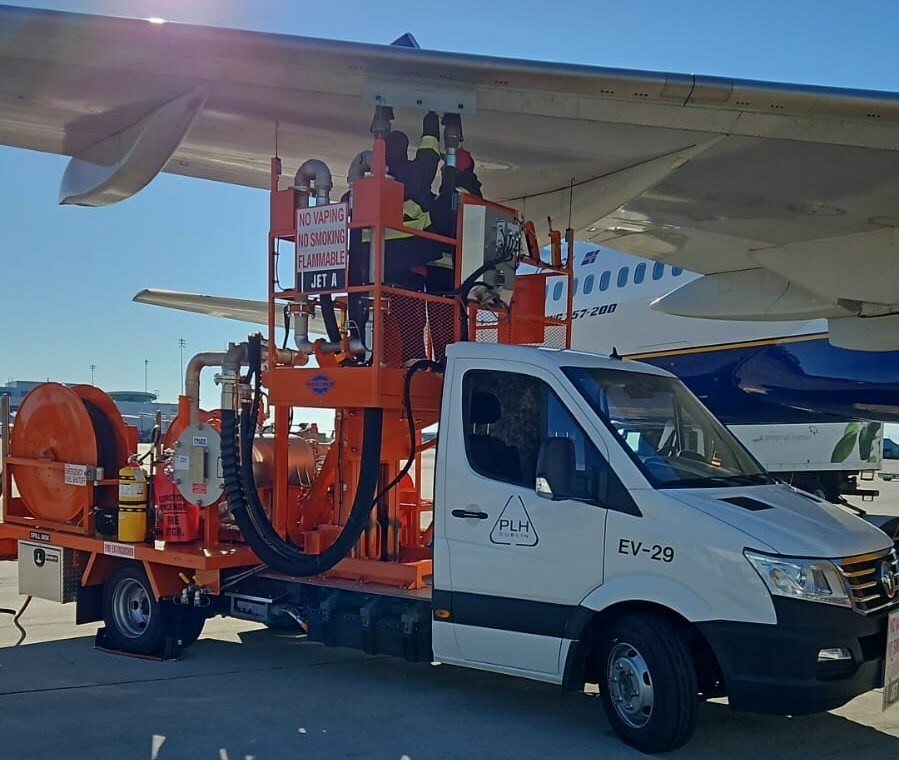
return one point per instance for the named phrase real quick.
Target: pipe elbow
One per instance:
(314, 174)
(359, 166)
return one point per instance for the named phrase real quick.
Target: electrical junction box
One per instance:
(491, 234)
(48, 572)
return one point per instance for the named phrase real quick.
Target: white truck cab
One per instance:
(594, 522)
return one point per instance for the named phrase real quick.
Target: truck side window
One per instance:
(507, 416)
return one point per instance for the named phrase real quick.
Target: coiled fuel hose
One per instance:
(243, 498)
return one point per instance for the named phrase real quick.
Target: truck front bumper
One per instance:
(775, 669)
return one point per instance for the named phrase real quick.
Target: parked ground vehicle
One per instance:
(827, 459)
(592, 521)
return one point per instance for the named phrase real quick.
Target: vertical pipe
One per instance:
(280, 515)
(379, 171)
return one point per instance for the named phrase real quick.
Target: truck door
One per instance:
(512, 566)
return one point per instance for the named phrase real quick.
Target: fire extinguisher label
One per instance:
(118, 550)
(132, 489)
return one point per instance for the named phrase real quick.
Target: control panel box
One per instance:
(48, 572)
(491, 241)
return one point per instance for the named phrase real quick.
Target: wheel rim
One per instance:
(132, 608)
(630, 685)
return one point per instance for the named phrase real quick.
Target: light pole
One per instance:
(146, 367)
(93, 369)
(181, 344)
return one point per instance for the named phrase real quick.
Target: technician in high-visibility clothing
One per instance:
(443, 219)
(404, 254)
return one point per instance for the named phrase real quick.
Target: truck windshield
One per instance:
(673, 438)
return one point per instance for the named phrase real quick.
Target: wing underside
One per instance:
(784, 194)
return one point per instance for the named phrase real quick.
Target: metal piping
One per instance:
(231, 361)
(314, 174)
(192, 378)
(359, 166)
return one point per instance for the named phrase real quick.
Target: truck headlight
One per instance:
(817, 580)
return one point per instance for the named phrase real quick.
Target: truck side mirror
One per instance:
(555, 469)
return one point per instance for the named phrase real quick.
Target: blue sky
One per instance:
(69, 273)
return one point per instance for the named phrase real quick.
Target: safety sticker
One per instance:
(118, 550)
(514, 526)
(75, 475)
(322, 244)
(200, 440)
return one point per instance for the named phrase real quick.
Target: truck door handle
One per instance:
(469, 513)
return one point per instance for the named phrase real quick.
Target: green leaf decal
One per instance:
(844, 447)
(866, 439)
(852, 427)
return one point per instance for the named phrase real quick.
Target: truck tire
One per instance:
(135, 621)
(647, 682)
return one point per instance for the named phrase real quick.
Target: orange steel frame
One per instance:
(312, 517)
(315, 519)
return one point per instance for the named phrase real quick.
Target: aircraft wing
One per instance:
(241, 309)
(783, 196)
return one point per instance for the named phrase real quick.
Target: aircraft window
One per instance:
(588, 284)
(639, 273)
(622, 276)
(604, 280)
(657, 271)
(574, 286)
(557, 291)
(675, 271)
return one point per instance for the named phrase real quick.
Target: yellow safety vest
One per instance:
(414, 216)
(446, 258)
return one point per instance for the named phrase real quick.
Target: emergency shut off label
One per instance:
(322, 245)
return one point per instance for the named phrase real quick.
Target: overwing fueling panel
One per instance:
(491, 241)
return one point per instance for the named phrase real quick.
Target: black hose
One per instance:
(330, 318)
(407, 405)
(243, 499)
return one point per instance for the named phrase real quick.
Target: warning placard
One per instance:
(322, 244)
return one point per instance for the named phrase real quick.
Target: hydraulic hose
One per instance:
(330, 318)
(243, 499)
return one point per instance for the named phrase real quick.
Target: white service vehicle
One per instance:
(594, 523)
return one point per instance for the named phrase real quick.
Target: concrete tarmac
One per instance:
(243, 692)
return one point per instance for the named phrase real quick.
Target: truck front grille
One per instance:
(873, 580)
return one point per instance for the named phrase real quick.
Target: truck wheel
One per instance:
(133, 617)
(648, 683)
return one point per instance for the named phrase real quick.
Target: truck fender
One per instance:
(665, 594)
(648, 587)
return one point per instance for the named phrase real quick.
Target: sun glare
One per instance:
(156, 20)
